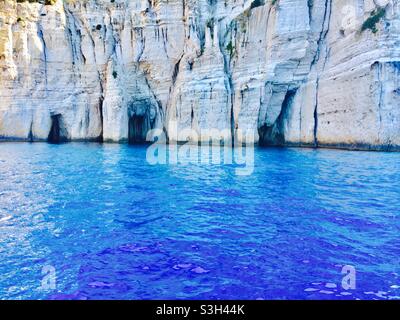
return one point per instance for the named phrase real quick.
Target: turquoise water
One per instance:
(109, 225)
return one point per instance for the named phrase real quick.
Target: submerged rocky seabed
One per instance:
(293, 72)
(109, 225)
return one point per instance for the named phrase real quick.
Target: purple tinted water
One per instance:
(113, 226)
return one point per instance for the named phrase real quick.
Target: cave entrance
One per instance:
(274, 135)
(137, 132)
(56, 132)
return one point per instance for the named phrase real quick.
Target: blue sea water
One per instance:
(105, 224)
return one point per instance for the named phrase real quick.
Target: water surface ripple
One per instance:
(113, 226)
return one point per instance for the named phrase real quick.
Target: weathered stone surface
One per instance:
(293, 72)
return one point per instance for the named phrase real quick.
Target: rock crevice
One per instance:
(292, 72)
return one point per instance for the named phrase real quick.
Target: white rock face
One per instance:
(293, 72)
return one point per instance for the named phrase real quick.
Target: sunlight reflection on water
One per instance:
(114, 226)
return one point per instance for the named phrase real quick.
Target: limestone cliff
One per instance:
(295, 72)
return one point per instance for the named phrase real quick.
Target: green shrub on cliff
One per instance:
(230, 48)
(46, 2)
(373, 19)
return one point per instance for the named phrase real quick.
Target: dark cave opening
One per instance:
(56, 132)
(137, 133)
(100, 139)
(275, 135)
